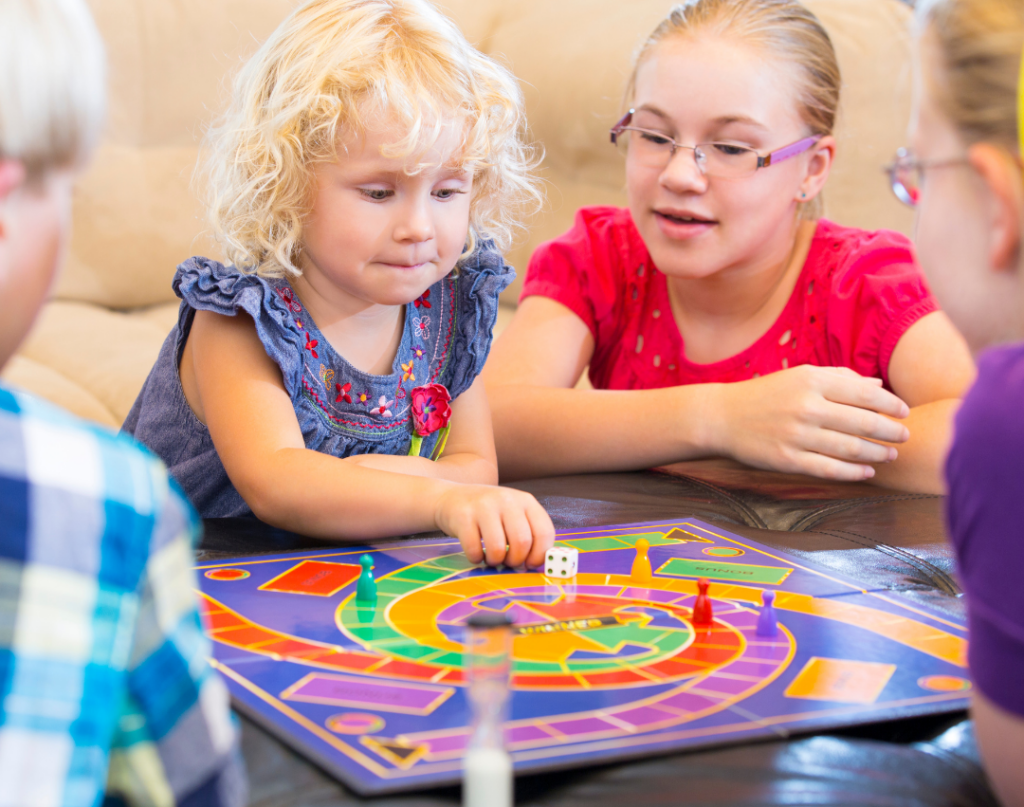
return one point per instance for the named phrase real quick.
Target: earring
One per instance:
(803, 195)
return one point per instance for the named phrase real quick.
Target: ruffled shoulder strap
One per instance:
(206, 285)
(480, 279)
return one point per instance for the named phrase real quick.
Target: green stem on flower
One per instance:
(415, 446)
(442, 441)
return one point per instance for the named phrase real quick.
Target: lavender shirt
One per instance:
(985, 510)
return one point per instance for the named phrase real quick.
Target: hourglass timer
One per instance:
(487, 778)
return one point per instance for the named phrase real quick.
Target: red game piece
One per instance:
(702, 607)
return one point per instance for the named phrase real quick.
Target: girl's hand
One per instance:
(500, 524)
(810, 420)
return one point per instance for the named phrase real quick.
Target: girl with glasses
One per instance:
(965, 166)
(719, 315)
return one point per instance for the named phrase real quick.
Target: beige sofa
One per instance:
(136, 216)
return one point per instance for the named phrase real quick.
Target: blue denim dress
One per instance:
(340, 409)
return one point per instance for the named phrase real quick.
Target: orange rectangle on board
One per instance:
(841, 680)
(316, 577)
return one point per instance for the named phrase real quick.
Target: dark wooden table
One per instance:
(889, 540)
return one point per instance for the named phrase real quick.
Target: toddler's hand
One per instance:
(500, 524)
(811, 420)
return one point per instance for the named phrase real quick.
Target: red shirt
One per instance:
(857, 294)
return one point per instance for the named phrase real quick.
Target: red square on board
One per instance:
(316, 577)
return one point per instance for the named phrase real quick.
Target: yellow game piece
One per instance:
(641, 571)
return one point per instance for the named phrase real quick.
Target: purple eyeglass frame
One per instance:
(777, 156)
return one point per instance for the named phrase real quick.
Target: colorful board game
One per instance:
(604, 668)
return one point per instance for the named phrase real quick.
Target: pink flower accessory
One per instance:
(431, 411)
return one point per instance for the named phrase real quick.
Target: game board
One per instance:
(603, 669)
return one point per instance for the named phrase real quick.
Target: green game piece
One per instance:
(366, 589)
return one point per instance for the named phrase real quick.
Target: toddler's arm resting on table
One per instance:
(254, 429)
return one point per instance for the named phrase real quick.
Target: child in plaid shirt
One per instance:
(104, 687)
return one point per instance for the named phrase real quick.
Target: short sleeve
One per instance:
(175, 732)
(985, 472)
(577, 269)
(481, 278)
(877, 293)
(206, 285)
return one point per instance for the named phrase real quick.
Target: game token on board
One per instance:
(641, 571)
(702, 614)
(366, 589)
(767, 627)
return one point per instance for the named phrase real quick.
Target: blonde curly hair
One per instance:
(335, 69)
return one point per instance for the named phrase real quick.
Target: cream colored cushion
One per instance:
(24, 373)
(137, 213)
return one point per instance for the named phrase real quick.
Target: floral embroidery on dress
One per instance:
(382, 407)
(422, 300)
(407, 372)
(299, 325)
(343, 391)
(326, 376)
(422, 325)
(311, 344)
(418, 352)
(364, 398)
(288, 298)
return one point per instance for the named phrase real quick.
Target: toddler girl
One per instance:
(365, 174)
(964, 174)
(721, 271)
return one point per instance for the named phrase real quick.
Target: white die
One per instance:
(561, 561)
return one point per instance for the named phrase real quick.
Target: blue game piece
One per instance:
(366, 589)
(767, 627)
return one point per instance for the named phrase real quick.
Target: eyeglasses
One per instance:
(656, 150)
(906, 174)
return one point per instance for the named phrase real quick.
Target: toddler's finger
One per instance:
(543, 533)
(518, 535)
(492, 534)
(469, 538)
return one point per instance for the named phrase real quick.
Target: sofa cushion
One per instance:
(46, 382)
(105, 352)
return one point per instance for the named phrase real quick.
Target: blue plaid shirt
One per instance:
(104, 683)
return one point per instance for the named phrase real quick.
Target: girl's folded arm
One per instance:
(813, 420)
(931, 369)
(254, 429)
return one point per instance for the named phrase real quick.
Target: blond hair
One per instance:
(52, 84)
(335, 69)
(784, 29)
(979, 45)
